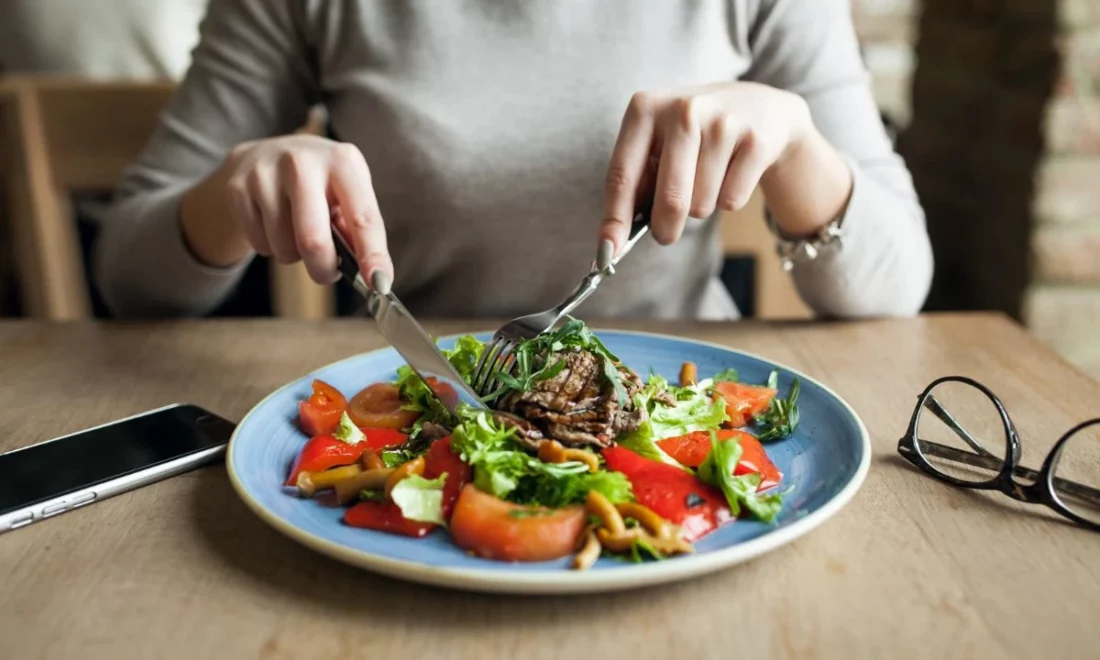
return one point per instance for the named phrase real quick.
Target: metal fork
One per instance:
(495, 358)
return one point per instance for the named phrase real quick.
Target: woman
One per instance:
(484, 148)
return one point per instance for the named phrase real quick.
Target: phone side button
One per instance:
(86, 498)
(26, 519)
(54, 509)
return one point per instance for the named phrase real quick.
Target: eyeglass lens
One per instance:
(1077, 473)
(961, 434)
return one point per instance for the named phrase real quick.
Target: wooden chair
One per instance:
(744, 233)
(60, 136)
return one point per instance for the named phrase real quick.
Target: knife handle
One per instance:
(348, 265)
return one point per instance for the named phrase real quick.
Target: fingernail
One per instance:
(605, 254)
(380, 282)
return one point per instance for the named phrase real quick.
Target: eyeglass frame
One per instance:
(1041, 491)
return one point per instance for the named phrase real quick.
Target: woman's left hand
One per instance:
(698, 149)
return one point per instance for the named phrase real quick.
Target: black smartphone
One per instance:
(59, 475)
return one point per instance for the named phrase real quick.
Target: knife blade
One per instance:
(402, 330)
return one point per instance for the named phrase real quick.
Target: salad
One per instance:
(574, 455)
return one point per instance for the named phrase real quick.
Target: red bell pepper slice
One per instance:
(743, 402)
(379, 439)
(385, 517)
(441, 459)
(675, 495)
(321, 412)
(692, 449)
(323, 452)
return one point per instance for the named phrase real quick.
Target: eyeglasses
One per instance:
(961, 433)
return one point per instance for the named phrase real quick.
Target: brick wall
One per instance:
(887, 33)
(999, 106)
(1062, 302)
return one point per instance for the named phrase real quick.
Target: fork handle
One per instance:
(638, 229)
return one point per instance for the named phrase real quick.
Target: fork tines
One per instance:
(493, 361)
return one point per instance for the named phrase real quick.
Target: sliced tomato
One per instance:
(743, 402)
(755, 459)
(379, 439)
(440, 459)
(672, 493)
(692, 449)
(385, 517)
(447, 394)
(323, 452)
(321, 412)
(379, 406)
(494, 529)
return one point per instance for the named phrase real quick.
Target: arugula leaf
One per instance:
(611, 373)
(641, 550)
(532, 359)
(725, 375)
(717, 470)
(781, 418)
(347, 431)
(420, 499)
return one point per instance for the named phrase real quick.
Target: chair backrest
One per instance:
(60, 136)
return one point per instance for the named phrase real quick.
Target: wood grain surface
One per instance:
(181, 569)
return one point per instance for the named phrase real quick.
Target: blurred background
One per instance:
(995, 105)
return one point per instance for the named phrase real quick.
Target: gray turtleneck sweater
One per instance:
(488, 125)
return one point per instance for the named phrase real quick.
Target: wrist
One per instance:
(808, 187)
(207, 225)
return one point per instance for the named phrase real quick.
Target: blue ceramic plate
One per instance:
(825, 462)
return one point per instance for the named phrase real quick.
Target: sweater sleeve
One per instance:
(884, 266)
(251, 77)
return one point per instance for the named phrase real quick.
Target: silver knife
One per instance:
(401, 330)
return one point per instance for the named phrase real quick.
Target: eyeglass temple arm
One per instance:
(994, 463)
(939, 411)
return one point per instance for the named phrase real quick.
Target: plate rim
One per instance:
(558, 580)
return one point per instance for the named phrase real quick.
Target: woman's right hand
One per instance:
(283, 195)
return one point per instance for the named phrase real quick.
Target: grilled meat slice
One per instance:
(527, 434)
(578, 406)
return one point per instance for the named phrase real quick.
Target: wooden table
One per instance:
(911, 568)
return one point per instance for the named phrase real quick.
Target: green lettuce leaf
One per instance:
(420, 499)
(573, 488)
(729, 374)
(740, 491)
(347, 431)
(392, 458)
(693, 410)
(463, 357)
(502, 467)
(419, 397)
